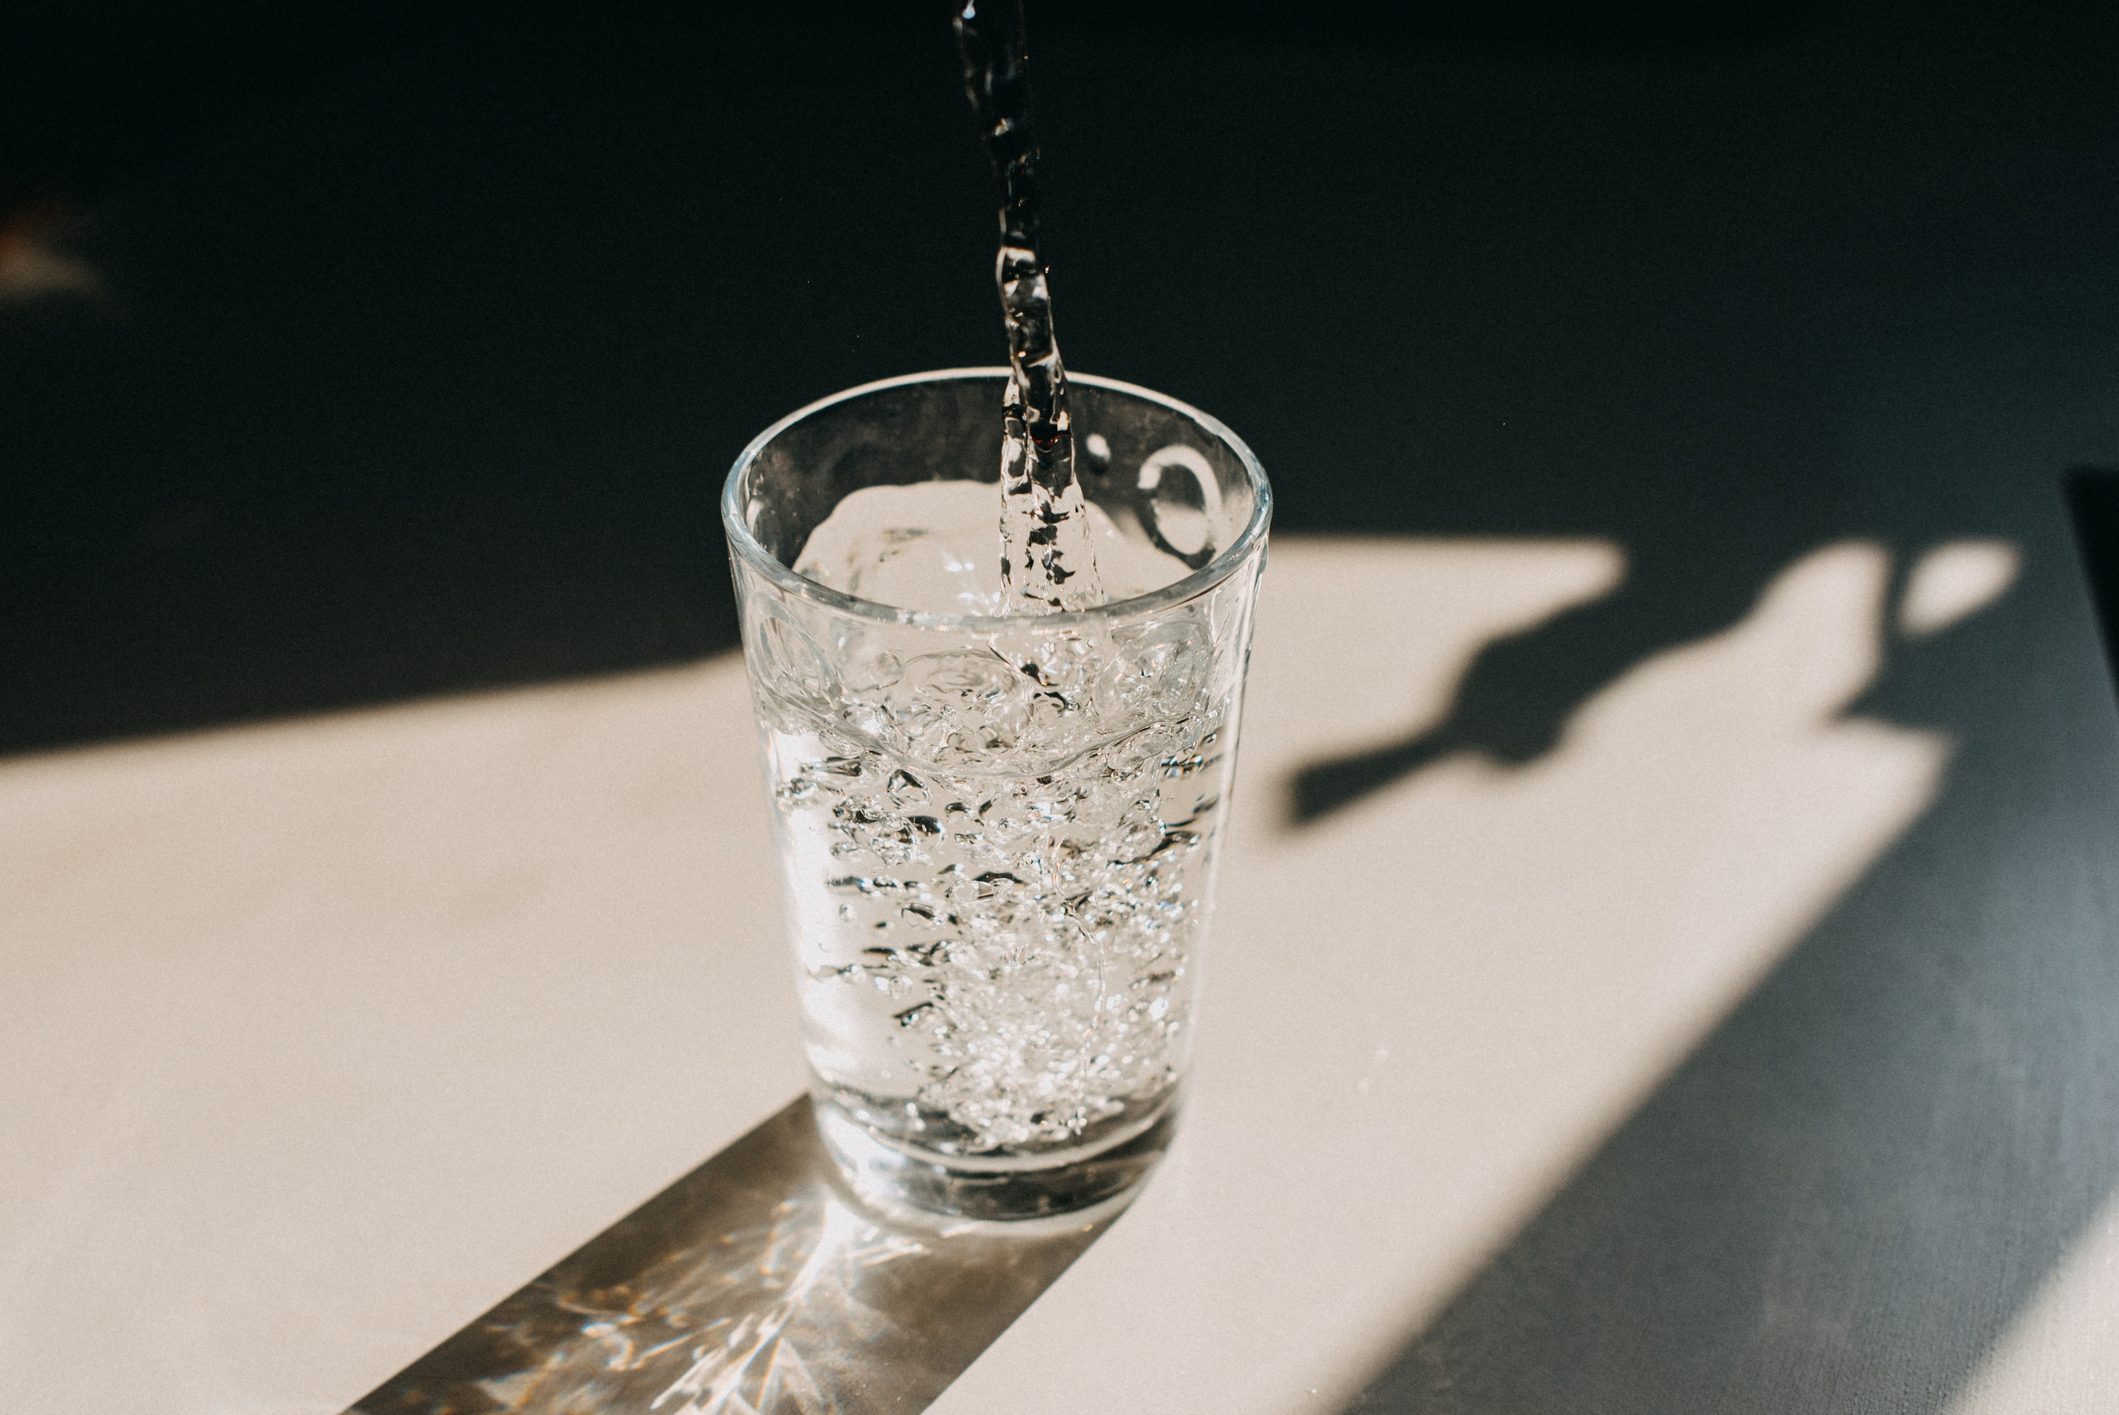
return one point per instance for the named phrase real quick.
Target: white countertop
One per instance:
(319, 1037)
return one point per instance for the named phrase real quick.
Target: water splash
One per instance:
(1047, 559)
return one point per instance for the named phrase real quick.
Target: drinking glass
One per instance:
(997, 831)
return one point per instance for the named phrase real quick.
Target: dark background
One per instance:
(424, 332)
(403, 348)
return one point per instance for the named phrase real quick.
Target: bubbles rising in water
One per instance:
(999, 842)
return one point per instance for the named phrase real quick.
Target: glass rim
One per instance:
(1191, 586)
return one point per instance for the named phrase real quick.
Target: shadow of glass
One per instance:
(1845, 1197)
(1519, 693)
(754, 1282)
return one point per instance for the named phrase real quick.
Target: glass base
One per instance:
(1100, 1178)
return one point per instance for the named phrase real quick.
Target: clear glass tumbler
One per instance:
(997, 832)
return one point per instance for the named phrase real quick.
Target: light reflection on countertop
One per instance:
(754, 1283)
